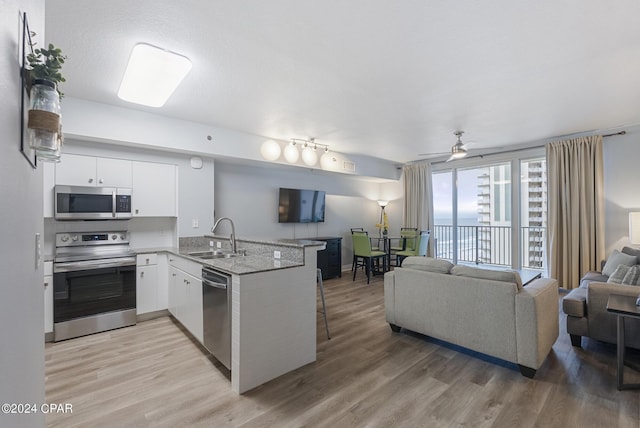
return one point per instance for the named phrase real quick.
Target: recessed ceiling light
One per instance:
(152, 75)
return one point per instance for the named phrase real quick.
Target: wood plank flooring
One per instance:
(153, 375)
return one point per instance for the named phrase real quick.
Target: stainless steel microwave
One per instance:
(92, 203)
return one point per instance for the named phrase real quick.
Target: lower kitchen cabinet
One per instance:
(146, 283)
(185, 294)
(48, 297)
(151, 283)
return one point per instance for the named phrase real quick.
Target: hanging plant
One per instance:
(46, 64)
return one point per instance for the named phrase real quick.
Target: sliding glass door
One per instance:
(478, 219)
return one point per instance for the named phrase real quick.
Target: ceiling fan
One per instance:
(458, 150)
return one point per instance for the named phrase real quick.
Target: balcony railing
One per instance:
(490, 245)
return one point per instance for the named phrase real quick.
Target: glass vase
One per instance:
(44, 120)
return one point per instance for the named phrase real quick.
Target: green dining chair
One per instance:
(407, 241)
(420, 247)
(363, 255)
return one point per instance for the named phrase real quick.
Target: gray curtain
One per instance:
(575, 235)
(418, 206)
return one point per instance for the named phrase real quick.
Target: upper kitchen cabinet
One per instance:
(77, 170)
(154, 190)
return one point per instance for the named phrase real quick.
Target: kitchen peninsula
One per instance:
(273, 304)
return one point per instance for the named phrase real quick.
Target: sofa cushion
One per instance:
(617, 258)
(575, 303)
(490, 274)
(619, 274)
(427, 263)
(592, 277)
(632, 277)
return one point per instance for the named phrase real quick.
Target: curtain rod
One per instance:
(522, 148)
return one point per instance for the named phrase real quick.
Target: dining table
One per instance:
(386, 240)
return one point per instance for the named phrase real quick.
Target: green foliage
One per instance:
(46, 64)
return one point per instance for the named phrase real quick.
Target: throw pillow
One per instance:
(617, 258)
(427, 263)
(490, 274)
(618, 275)
(633, 276)
(631, 251)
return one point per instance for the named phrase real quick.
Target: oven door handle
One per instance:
(93, 264)
(113, 203)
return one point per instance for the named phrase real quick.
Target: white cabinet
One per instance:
(146, 283)
(48, 297)
(78, 170)
(154, 189)
(185, 294)
(162, 285)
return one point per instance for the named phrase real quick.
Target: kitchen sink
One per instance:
(206, 253)
(212, 254)
(218, 256)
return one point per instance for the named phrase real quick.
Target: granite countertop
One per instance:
(234, 265)
(296, 243)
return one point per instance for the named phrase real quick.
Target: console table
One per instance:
(330, 259)
(623, 307)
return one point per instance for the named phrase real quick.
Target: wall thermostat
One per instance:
(196, 162)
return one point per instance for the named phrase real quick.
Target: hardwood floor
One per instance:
(153, 375)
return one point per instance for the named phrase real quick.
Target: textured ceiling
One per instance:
(391, 79)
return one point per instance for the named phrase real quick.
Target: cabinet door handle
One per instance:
(137, 211)
(141, 274)
(147, 261)
(46, 284)
(101, 181)
(91, 180)
(173, 274)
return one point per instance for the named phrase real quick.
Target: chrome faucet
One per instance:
(232, 238)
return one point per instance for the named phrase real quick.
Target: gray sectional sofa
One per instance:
(486, 311)
(586, 306)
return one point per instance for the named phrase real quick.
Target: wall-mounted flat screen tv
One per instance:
(301, 206)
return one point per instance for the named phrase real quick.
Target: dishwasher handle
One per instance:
(220, 285)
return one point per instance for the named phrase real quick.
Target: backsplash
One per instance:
(254, 248)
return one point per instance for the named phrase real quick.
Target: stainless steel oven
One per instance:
(94, 283)
(92, 203)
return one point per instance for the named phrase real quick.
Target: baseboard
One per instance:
(48, 337)
(152, 315)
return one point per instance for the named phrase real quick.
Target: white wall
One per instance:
(92, 121)
(621, 179)
(21, 283)
(249, 195)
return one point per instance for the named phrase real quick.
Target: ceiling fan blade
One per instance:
(434, 154)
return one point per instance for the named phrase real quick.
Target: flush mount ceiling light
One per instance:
(152, 75)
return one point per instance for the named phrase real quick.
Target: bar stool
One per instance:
(324, 306)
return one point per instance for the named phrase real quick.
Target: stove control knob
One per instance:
(123, 237)
(64, 238)
(74, 238)
(114, 237)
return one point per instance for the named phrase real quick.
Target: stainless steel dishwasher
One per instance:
(216, 314)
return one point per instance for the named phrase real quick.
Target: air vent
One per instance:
(349, 166)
